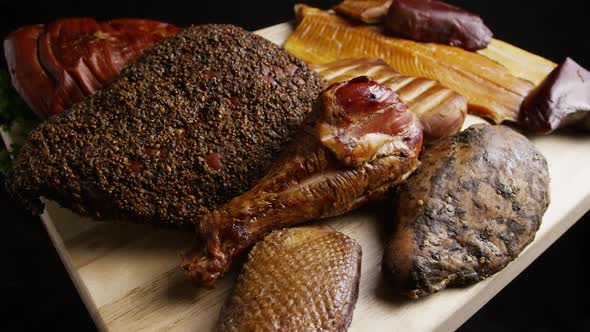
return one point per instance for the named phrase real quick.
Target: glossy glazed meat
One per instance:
(363, 143)
(296, 279)
(55, 65)
(440, 109)
(177, 133)
(29, 78)
(490, 89)
(562, 100)
(367, 11)
(473, 205)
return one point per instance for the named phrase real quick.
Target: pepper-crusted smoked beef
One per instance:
(303, 279)
(364, 143)
(472, 206)
(194, 122)
(59, 64)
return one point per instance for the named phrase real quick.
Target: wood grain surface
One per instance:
(128, 275)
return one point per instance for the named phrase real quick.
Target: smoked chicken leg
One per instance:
(361, 142)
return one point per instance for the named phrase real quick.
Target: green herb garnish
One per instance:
(13, 113)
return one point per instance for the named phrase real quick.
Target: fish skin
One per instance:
(519, 62)
(490, 89)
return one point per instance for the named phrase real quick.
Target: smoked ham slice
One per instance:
(59, 64)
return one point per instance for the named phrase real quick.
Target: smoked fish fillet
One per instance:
(490, 89)
(368, 11)
(519, 62)
(296, 279)
(441, 110)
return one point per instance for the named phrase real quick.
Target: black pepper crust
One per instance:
(194, 122)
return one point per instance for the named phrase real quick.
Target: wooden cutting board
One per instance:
(128, 275)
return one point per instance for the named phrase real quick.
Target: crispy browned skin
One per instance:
(368, 11)
(364, 143)
(490, 89)
(194, 122)
(297, 279)
(473, 205)
(441, 110)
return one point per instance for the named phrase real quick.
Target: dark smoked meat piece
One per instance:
(562, 100)
(194, 122)
(364, 142)
(437, 22)
(473, 205)
(61, 63)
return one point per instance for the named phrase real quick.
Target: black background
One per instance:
(551, 295)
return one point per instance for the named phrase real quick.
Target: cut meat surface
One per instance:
(61, 63)
(194, 122)
(441, 110)
(363, 143)
(303, 278)
(29, 78)
(475, 202)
